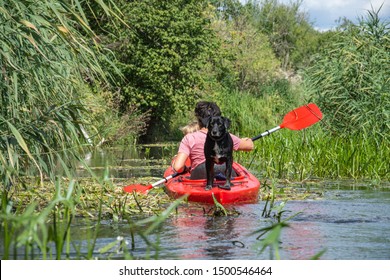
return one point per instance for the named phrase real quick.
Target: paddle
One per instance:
(297, 119)
(144, 189)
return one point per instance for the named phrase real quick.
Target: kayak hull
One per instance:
(245, 188)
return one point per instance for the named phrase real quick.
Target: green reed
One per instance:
(312, 153)
(33, 231)
(350, 79)
(269, 236)
(44, 232)
(252, 114)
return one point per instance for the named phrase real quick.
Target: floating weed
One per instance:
(282, 190)
(219, 209)
(89, 195)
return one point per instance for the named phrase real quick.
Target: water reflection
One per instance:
(129, 161)
(203, 236)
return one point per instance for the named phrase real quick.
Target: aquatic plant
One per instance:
(269, 236)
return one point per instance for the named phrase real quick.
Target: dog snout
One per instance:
(216, 131)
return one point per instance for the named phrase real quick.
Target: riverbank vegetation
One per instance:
(81, 74)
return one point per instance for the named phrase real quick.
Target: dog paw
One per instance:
(225, 187)
(208, 187)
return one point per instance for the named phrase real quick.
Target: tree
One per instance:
(287, 28)
(160, 54)
(248, 56)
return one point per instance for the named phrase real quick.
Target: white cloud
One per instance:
(326, 13)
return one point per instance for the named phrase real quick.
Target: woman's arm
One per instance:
(179, 162)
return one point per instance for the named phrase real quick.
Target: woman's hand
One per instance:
(246, 144)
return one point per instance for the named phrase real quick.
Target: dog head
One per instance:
(217, 127)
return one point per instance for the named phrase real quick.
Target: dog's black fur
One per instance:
(218, 149)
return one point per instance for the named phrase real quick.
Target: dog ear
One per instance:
(205, 121)
(227, 122)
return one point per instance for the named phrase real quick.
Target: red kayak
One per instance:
(245, 188)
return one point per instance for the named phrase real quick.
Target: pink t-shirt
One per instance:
(193, 145)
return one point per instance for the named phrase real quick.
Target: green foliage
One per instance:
(292, 37)
(252, 114)
(46, 51)
(106, 123)
(350, 79)
(246, 58)
(160, 53)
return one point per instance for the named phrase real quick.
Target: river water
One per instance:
(345, 224)
(349, 220)
(343, 220)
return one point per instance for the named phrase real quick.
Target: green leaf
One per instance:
(20, 139)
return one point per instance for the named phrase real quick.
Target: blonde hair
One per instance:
(189, 128)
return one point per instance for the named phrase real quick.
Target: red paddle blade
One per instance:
(302, 117)
(137, 188)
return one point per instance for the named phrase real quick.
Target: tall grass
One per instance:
(350, 79)
(29, 230)
(316, 152)
(47, 51)
(313, 154)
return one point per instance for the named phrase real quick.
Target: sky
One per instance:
(324, 13)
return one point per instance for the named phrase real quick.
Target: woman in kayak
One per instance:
(192, 144)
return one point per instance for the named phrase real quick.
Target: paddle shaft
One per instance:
(268, 132)
(164, 180)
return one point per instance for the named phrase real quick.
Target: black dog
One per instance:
(218, 149)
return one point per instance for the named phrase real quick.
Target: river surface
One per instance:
(345, 224)
(349, 221)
